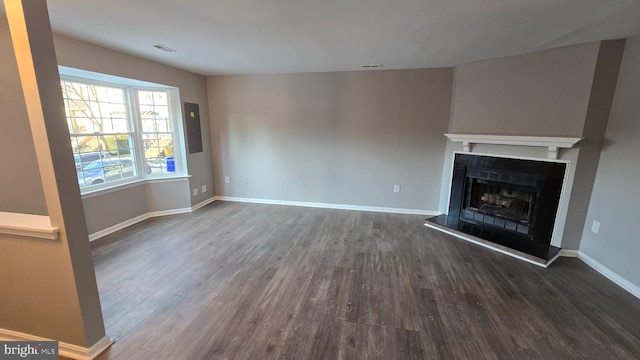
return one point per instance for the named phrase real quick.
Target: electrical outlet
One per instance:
(396, 188)
(246, 180)
(195, 191)
(204, 189)
(595, 227)
(226, 180)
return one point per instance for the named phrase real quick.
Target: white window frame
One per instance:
(130, 90)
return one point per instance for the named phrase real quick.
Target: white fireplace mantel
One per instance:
(552, 143)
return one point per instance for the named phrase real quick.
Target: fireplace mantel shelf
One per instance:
(552, 143)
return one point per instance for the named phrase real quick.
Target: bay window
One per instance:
(121, 133)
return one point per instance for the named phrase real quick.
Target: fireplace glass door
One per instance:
(501, 200)
(501, 204)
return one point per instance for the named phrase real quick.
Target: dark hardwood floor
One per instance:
(248, 281)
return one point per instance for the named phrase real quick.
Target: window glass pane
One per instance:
(113, 110)
(81, 125)
(116, 144)
(128, 168)
(157, 158)
(88, 143)
(165, 139)
(91, 93)
(145, 97)
(155, 165)
(74, 91)
(148, 112)
(106, 170)
(115, 95)
(101, 93)
(102, 136)
(166, 143)
(124, 141)
(152, 152)
(156, 127)
(119, 125)
(160, 98)
(162, 125)
(110, 141)
(162, 112)
(90, 108)
(148, 126)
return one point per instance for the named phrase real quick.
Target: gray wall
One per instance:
(104, 210)
(602, 90)
(20, 181)
(544, 93)
(26, 193)
(616, 195)
(340, 138)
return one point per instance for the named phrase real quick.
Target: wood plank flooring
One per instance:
(250, 281)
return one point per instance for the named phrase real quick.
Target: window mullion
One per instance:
(134, 110)
(178, 145)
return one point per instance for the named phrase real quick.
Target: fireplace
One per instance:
(510, 202)
(501, 199)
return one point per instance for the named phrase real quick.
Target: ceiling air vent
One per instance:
(372, 66)
(164, 48)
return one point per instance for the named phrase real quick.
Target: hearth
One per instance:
(511, 202)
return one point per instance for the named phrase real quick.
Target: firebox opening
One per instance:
(501, 200)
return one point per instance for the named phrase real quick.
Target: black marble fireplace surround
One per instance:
(511, 202)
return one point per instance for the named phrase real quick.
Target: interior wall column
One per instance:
(70, 264)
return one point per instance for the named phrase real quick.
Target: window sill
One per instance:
(149, 180)
(27, 225)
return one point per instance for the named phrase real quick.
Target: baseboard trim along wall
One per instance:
(568, 253)
(111, 229)
(330, 206)
(203, 203)
(604, 271)
(64, 349)
(104, 232)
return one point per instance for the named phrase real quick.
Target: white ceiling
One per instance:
(272, 36)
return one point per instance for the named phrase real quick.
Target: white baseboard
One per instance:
(603, 270)
(64, 349)
(111, 229)
(330, 206)
(137, 219)
(568, 253)
(169, 212)
(610, 274)
(203, 203)
(104, 232)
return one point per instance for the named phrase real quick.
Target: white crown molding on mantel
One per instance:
(552, 143)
